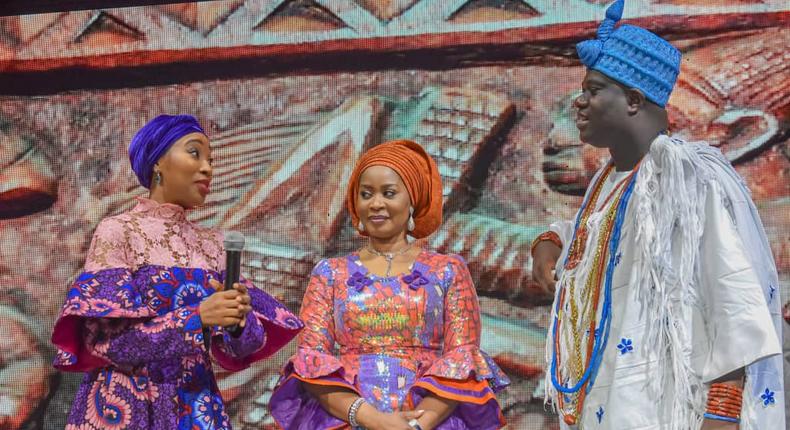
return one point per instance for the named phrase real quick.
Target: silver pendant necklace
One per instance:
(388, 256)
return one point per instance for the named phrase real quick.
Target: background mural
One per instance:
(293, 91)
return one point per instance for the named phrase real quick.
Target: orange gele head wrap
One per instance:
(420, 175)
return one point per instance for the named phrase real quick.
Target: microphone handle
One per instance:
(232, 274)
(232, 268)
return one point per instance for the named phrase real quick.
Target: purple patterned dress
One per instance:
(131, 323)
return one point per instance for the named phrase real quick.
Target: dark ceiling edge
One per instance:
(80, 78)
(30, 7)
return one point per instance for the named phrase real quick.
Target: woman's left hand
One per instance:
(243, 299)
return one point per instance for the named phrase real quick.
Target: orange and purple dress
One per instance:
(392, 340)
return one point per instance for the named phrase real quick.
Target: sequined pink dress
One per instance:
(391, 340)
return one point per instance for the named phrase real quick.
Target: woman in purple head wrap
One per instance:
(149, 312)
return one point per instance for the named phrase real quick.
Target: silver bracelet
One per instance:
(352, 411)
(415, 424)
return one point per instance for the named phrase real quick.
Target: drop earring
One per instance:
(360, 226)
(158, 178)
(410, 226)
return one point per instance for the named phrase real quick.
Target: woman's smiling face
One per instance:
(383, 203)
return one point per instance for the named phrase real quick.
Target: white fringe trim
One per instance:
(668, 201)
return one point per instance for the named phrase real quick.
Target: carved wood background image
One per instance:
(291, 92)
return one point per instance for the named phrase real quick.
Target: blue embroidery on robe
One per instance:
(625, 346)
(768, 397)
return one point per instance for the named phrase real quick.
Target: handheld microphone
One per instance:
(234, 244)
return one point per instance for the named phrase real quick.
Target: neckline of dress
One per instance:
(166, 211)
(354, 256)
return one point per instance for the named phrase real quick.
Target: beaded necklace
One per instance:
(602, 269)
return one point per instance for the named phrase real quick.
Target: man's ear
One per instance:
(635, 99)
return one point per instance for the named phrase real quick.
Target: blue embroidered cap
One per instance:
(633, 56)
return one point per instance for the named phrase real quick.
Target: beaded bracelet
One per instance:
(546, 235)
(352, 411)
(724, 403)
(721, 418)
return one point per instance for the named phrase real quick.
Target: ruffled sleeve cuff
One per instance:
(470, 377)
(108, 293)
(310, 363)
(274, 326)
(230, 351)
(294, 408)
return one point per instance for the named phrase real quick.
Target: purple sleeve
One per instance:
(126, 342)
(269, 327)
(251, 339)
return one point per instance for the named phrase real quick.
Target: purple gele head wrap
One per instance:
(151, 142)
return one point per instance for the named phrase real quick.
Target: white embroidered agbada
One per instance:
(692, 253)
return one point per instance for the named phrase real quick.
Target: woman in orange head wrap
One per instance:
(398, 164)
(392, 332)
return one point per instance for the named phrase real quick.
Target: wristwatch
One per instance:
(415, 424)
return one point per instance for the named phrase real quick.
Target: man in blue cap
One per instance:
(666, 312)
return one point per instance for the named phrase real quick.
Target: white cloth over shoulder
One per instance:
(694, 297)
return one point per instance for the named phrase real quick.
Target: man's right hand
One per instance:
(544, 260)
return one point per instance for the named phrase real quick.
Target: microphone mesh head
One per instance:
(234, 241)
